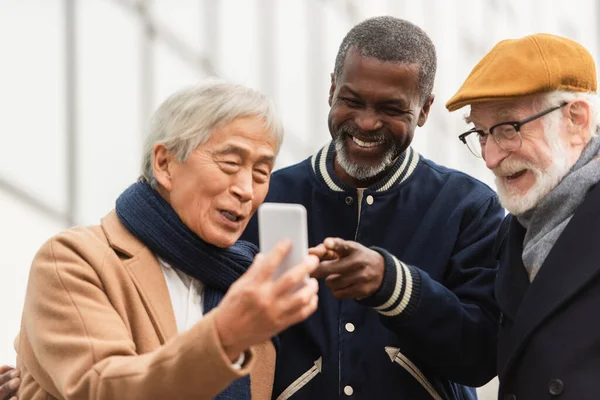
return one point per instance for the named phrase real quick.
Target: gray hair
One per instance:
(393, 40)
(558, 97)
(188, 117)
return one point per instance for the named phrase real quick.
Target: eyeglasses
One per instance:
(506, 134)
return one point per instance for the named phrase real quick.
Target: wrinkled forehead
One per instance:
(246, 136)
(493, 112)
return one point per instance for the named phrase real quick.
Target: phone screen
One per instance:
(278, 221)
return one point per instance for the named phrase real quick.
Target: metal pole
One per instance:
(146, 67)
(211, 32)
(266, 38)
(317, 71)
(71, 109)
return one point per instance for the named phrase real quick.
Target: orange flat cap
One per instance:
(520, 67)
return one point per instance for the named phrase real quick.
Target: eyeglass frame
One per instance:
(515, 124)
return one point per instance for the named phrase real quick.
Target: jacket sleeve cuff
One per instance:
(399, 291)
(222, 364)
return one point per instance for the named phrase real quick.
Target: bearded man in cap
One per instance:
(534, 107)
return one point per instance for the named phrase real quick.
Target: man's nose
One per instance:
(243, 188)
(492, 153)
(368, 120)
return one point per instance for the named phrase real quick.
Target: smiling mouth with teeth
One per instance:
(366, 144)
(230, 216)
(515, 175)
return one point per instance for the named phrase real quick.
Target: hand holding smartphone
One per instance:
(279, 221)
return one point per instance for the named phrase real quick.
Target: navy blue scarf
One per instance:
(154, 222)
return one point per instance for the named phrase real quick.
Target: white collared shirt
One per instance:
(186, 296)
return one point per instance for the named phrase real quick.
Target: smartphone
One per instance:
(278, 221)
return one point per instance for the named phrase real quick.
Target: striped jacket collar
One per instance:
(322, 165)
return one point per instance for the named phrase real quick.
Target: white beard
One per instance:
(545, 180)
(357, 171)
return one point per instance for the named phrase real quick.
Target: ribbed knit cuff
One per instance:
(399, 289)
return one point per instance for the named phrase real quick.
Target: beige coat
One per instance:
(98, 324)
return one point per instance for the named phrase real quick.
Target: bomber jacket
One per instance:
(430, 330)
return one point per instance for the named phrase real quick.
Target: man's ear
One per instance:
(579, 118)
(162, 160)
(331, 89)
(424, 113)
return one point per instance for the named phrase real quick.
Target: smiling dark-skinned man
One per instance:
(406, 305)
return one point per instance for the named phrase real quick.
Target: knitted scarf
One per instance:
(154, 222)
(547, 220)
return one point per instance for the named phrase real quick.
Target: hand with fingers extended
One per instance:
(9, 382)
(256, 307)
(351, 270)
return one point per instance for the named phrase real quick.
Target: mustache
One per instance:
(511, 166)
(380, 135)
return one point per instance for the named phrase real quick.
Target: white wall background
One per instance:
(124, 56)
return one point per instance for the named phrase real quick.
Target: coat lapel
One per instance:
(146, 273)
(512, 282)
(572, 262)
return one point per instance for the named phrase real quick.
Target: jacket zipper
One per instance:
(359, 197)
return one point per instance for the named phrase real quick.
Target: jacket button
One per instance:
(350, 327)
(509, 396)
(348, 390)
(370, 199)
(556, 387)
(349, 200)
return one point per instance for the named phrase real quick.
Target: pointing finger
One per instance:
(338, 246)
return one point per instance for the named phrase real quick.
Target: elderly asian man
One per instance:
(135, 308)
(534, 108)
